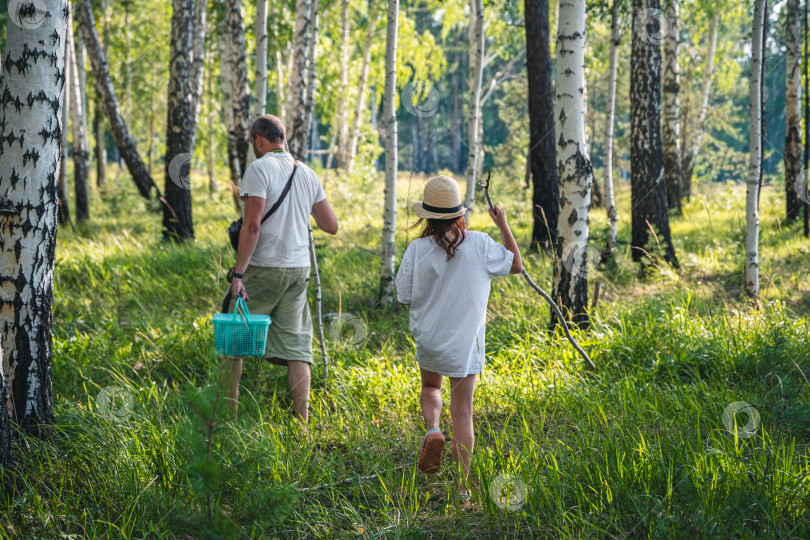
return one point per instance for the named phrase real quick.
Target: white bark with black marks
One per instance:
(387, 275)
(296, 107)
(610, 201)
(227, 108)
(755, 154)
(573, 167)
(197, 65)
(177, 218)
(476, 72)
(793, 113)
(312, 51)
(32, 90)
(648, 194)
(671, 105)
(81, 150)
(5, 417)
(240, 88)
(260, 79)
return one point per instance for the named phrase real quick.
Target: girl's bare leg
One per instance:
(461, 400)
(431, 398)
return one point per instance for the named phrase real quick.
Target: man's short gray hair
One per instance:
(268, 127)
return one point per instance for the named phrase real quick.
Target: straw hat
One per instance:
(442, 200)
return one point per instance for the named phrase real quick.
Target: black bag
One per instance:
(236, 227)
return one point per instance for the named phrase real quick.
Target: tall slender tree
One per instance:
(342, 110)
(296, 106)
(476, 73)
(648, 192)
(360, 102)
(123, 139)
(197, 65)
(542, 140)
(309, 101)
(755, 154)
(240, 88)
(793, 113)
(81, 154)
(610, 201)
(691, 148)
(30, 154)
(671, 105)
(387, 275)
(177, 219)
(227, 105)
(573, 168)
(260, 80)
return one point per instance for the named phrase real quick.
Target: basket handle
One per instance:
(240, 305)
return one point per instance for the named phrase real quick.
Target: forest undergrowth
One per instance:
(143, 448)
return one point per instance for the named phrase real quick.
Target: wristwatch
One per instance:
(238, 276)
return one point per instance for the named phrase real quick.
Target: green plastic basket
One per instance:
(240, 334)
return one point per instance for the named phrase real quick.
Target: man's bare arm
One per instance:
(325, 217)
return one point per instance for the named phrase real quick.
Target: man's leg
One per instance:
(298, 374)
(461, 400)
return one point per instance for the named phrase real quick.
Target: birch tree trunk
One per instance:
(81, 65)
(360, 102)
(177, 220)
(281, 99)
(390, 123)
(63, 217)
(309, 101)
(342, 113)
(296, 114)
(101, 133)
(123, 139)
(30, 154)
(793, 114)
(197, 66)
(476, 71)
(260, 80)
(227, 105)
(755, 155)
(240, 89)
(688, 165)
(5, 417)
(81, 154)
(542, 142)
(671, 102)
(573, 168)
(648, 192)
(609, 122)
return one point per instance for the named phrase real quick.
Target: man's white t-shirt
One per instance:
(284, 238)
(449, 300)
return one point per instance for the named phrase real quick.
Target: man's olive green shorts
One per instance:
(282, 294)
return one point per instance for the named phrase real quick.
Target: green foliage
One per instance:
(637, 448)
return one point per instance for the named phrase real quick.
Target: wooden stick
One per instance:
(318, 309)
(541, 292)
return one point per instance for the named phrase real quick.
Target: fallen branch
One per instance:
(541, 292)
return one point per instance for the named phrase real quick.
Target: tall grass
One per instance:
(636, 449)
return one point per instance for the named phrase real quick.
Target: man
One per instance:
(273, 258)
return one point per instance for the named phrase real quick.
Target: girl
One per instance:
(445, 277)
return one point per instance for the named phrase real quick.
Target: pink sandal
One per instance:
(430, 457)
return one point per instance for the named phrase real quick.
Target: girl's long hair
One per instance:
(437, 230)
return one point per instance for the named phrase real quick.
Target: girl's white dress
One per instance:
(448, 300)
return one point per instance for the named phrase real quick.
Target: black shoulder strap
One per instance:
(283, 194)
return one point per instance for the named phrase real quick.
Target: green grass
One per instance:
(636, 449)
